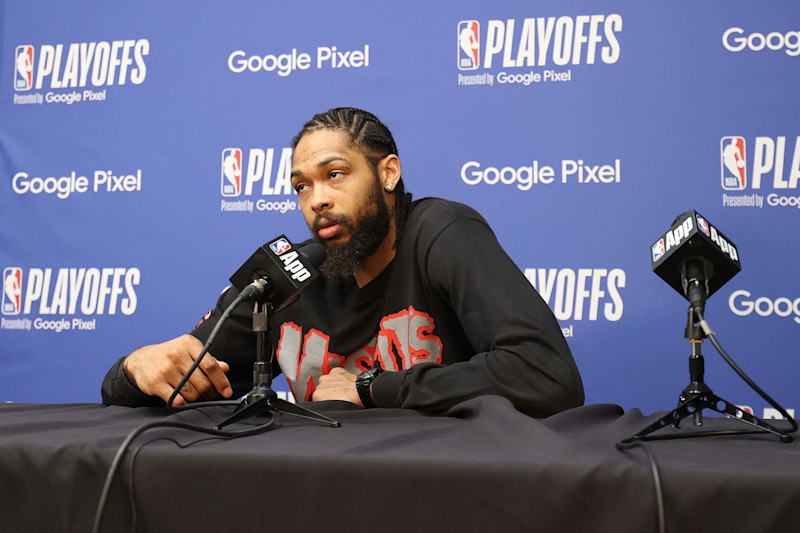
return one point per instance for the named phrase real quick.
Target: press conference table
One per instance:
(482, 467)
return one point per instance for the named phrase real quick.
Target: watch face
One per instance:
(368, 375)
(365, 376)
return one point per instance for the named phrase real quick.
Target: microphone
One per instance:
(277, 271)
(694, 258)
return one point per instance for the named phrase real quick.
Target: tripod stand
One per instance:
(698, 396)
(262, 399)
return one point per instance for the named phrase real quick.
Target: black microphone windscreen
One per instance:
(289, 269)
(314, 252)
(692, 237)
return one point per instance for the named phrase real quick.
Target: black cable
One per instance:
(161, 423)
(244, 295)
(251, 290)
(131, 494)
(627, 445)
(710, 334)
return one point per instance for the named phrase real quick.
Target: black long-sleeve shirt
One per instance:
(452, 317)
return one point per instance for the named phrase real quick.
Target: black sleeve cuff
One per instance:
(118, 389)
(385, 387)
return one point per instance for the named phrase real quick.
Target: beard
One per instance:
(367, 233)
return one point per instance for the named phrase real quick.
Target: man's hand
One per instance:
(156, 369)
(339, 384)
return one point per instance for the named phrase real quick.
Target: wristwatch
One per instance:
(363, 383)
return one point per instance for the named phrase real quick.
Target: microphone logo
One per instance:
(280, 246)
(12, 291)
(658, 250)
(231, 172)
(469, 48)
(732, 156)
(703, 225)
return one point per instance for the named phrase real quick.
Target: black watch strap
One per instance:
(363, 383)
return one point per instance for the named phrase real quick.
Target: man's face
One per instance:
(341, 199)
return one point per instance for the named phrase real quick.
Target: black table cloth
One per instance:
(483, 467)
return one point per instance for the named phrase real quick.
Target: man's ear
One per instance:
(389, 171)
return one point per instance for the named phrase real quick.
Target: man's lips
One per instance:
(329, 232)
(328, 228)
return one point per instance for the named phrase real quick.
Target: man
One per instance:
(418, 307)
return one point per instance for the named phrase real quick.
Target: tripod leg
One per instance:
(714, 402)
(289, 408)
(674, 417)
(244, 410)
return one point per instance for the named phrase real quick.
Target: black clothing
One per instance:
(450, 318)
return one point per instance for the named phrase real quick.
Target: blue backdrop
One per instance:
(578, 130)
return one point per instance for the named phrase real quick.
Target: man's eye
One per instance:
(335, 174)
(300, 187)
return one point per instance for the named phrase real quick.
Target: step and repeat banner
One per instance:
(145, 151)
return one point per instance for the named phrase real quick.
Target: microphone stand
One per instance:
(262, 399)
(698, 396)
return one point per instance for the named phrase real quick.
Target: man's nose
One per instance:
(321, 199)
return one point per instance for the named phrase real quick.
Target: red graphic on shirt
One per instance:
(205, 317)
(404, 339)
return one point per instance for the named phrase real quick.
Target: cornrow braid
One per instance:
(373, 139)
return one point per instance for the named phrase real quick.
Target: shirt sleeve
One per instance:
(118, 389)
(519, 350)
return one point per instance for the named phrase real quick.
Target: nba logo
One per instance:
(231, 172)
(703, 225)
(12, 290)
(469, 48)
(734, 173)
(658, 250)
(280, 247)
(23, 68)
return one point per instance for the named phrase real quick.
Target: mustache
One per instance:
(328, 219)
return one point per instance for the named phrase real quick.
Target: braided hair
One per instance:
(372, 138)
